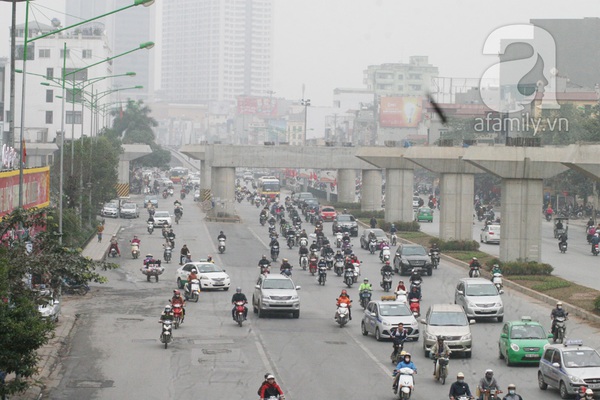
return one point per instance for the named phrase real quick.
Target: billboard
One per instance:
(260, 106)
(36, 189)
(400, 112)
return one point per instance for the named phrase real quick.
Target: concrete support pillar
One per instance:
(456, 216)
(124, 171)
(223, 188)
(398, 194)
(370, 195)
(205, 171)
(346, 185)
(521, 237)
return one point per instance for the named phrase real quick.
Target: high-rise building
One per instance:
(215, 50)
(125, 31)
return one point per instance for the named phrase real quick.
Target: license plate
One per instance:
(593, 386)
(532, 356)
(218, 284)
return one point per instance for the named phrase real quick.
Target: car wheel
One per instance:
(507, 360)
(429, 272)
(296, 314)
(363, 328)
(261, 313)
(254, 309)
(468, 354)
(541, 384)
(500, 319)
(225, 289)
(500, 355)
(480, 239)
(179, 283)
(564, 394)
(378, 335)
(425, 351)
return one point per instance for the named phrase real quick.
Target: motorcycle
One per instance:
(329, 261)
(166, 334)
(356, 271)
(150, 227)
(312, 265)
(394, 239)
(396, 355)
(135, 250)
(338, 239)
(435, 258)
(113, 252)
(560, 329)
(177, 218)
(272, 229)
(595, 250)
(441, 370)
(240, 197)
(69, 287)
(415, 307)
(349, 277)
(287, 272)
(262, 219)
(339, 267)
(491, 394)
(177, 315)
(365, 298)
(342, 315)
(386, 283)
(167, 254)
(192, 290)
(497, 281)
(385, 254)
(182, 194)
(304, 262)
(165, 194)
(401, 296)
(322, 275)
(221, 247)
(152, 270)
(405, 382)
(474, 272)
(274, 253)
(239, 312)
(563, 247)
(291, 241)
(171, 192)
(303, 242)
(257, 202)
(372, 246)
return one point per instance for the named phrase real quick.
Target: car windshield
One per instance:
(394, 310)
(414, 251)
(278, 284)
(345, 218)
(151, 198)
(581, 359)
(208, 268)
(448, 319)
(161, 214)
(111, 205)
(527, 332)
(328, 209)
(481, 290)
(128, 205)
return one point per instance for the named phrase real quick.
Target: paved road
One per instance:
(115, 353)
(577, 264)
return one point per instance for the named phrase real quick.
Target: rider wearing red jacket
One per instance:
(177, 299)
(270, 388)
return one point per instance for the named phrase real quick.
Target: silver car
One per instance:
(381, 316)
(130, 210)
(480, 298)
(568, 367)
(275, 294)
(110, 210)
(449, 321)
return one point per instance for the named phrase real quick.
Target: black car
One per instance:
(412, 256)
(311, 203)
(345, 223)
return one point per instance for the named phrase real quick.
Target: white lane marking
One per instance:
(258, 238)
(385, 370)
(212, 245)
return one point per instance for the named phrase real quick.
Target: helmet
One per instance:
(559, 303)
(512, 386)
(220, 233)
(393, 225)
(407, 354)
(366, 280)
(344, 292)
(194, 270)
(371, 232)
(176, 292)
(589, 391)
(168, 308)
(460, 375)
(440, 338)
(149, 255)
(135, 236)
(264, 257)
(285, 260)
(314, 241)
(489, 372)
(403, 352)
(238, 290)
(474, 258)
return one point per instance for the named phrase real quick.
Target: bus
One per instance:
(268, 186)
(178, 173)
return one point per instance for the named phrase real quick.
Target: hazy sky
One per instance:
(326, 44)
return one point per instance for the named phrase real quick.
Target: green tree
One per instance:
(22, 329)
(460, 129)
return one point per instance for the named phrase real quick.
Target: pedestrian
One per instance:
(99, 230)
(373, 222)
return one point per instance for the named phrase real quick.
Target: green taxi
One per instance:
(424, 214)
(522, 342)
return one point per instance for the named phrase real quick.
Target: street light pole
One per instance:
(62, 147)
(306, 104)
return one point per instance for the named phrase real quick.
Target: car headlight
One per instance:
(515, 347)
(202, 277)
(498, 305)
(466, 337)
(266, 298)
(295, 297)
(576, 379)
(415, 323)
(429, 336)
(385, 323)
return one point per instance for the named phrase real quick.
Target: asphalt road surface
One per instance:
(116, 353)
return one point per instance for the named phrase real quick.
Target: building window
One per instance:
(78, 76)
(49, 117)
(415, 87)
(49, 73)
(415, 76)
(73, 117)
(87, 53)
(62, 53)
(400, 76)
(44, 53)
(49, 96)
(20, 49)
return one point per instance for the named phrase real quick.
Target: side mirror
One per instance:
(56, 301)
(224, 270)
(501, 291)
(298, 287)
(460, 292)
(556, 365)
(423, 321)
(471, 321)
(504, 336)
(550, 336)
(257, 286)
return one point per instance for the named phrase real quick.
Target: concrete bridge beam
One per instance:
(223, 187)
(370, 196)
(346, 185)
(457, 192)
(398, 182)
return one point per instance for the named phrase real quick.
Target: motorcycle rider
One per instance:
(285, 264)
(270, 389)
(487, 382)
(114, 244)
(414, 293)
(184, 254)
(512, 393)
(263, 262)
(338, 256)
(595, 240)
(136, 241)
(239, 296)
(439, 349)
(149, 259)
(386, 268)
(346, 237)
(167, 314)
(303, 234)
(178, 210)
(193, 275)
(274, 242)
(314, 248)
(496, 269)
(399, 336)
(303, 251)
(372, 236)
(562, 239)
(557, 312)
(365, 286)
(322, 263)
(177, 299)
(393, 229)
(459, 388)
(345, 298)
(415, 275)
(473, 264)
(221, 236)
(400, 286)
(382, 246)
(171, 237)
(373, 222)
(588, 395)
(327, 251)
(404, 363)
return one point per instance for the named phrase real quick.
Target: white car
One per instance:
(110, 210)
(130, 210)
(381, 317)
(210, 275)
(416, 201)
(160, 217)
(50, 308)
(490, 234)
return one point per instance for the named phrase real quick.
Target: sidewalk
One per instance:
(50, 354)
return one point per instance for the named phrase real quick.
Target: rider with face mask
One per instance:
(459, 388)
(404, 363)
(487, 382)
(557, 312)
(512, 393)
